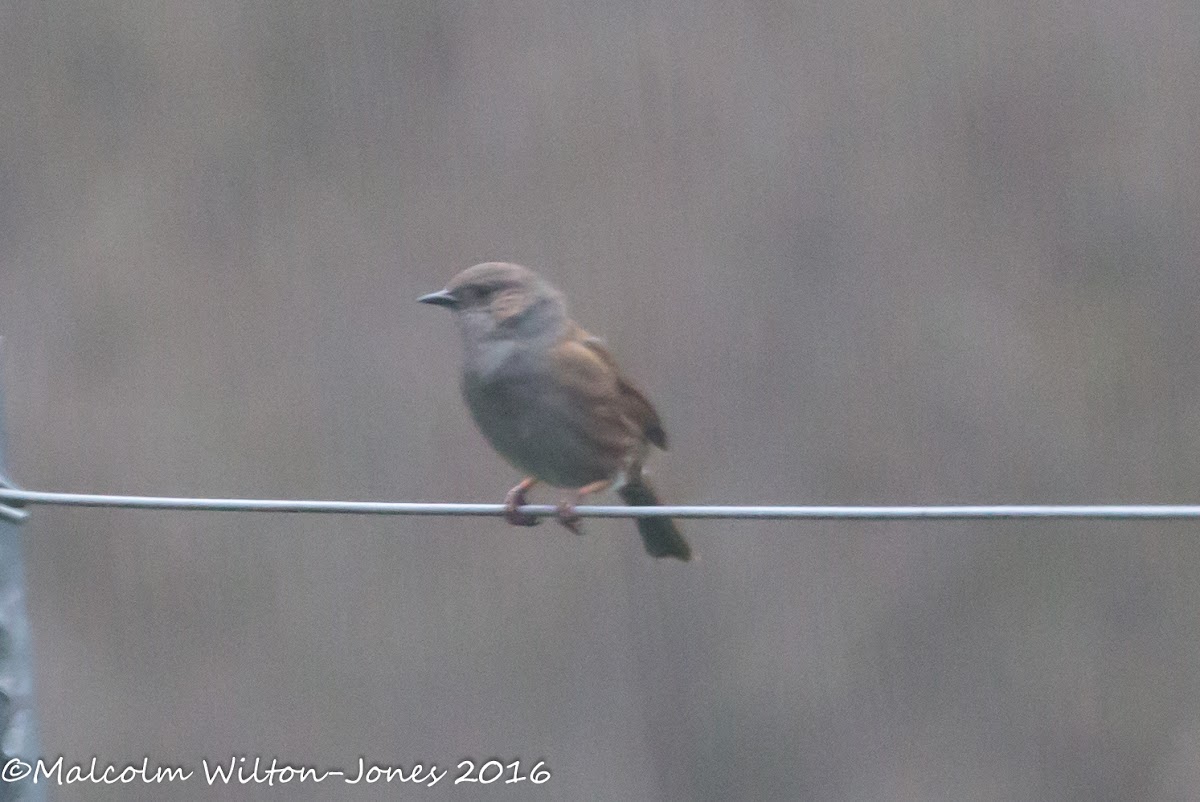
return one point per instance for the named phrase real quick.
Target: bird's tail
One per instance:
(661, 536)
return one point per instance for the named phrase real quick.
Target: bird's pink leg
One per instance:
(566, 508)
(516, 499)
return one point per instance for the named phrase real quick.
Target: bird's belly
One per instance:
(541, 434)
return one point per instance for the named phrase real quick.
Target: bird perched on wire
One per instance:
(550, 398)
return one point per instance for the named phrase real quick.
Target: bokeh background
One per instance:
(856, 252)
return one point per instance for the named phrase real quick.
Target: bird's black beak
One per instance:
(440, 298)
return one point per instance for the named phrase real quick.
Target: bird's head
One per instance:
(500, 300)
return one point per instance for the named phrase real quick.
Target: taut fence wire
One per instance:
(13, 500)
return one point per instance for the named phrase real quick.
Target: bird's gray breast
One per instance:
(529, 418)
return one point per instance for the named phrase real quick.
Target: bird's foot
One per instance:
(568, 517)
(514, 501)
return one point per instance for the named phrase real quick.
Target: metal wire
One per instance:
(10, 513)
(18, 498)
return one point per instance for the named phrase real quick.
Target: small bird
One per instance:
(550, 398)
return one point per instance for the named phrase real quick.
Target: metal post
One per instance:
(18, 730)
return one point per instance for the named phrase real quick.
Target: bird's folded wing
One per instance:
(589, 370)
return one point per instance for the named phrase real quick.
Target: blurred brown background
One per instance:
(861, 252)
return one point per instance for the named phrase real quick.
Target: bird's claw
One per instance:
(512, 513)
(568, 517)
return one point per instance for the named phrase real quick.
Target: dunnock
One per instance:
(550, 398)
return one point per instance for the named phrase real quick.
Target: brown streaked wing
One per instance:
(633, 402)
